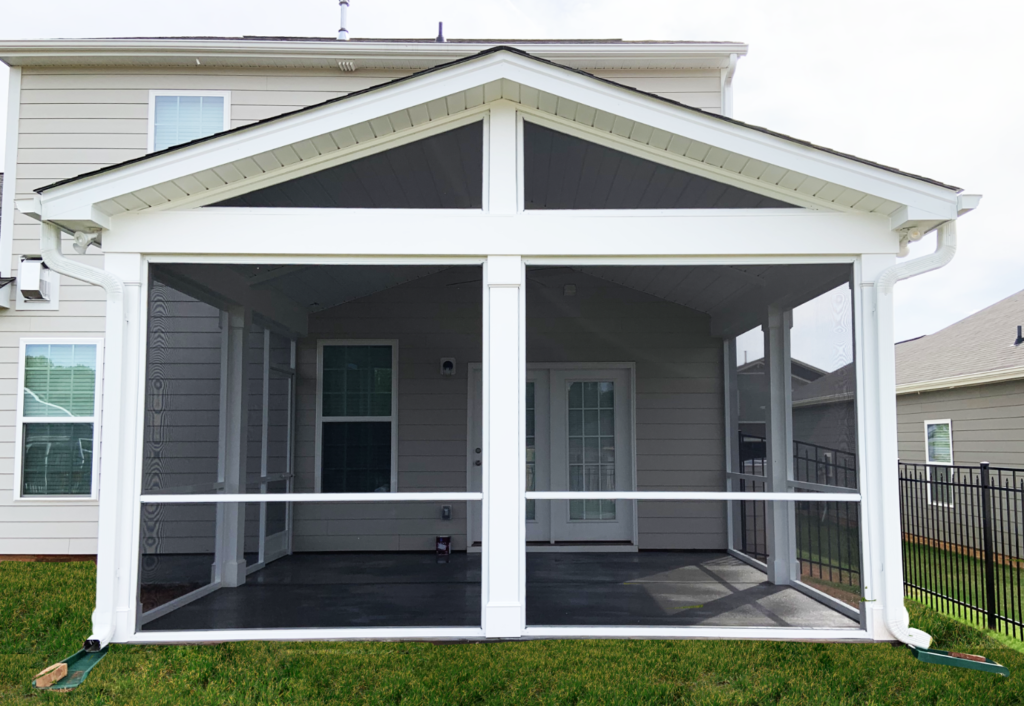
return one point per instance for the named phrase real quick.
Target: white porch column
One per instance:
(230, 561)
(503, 476)
(780, 517)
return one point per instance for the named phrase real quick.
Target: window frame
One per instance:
(21, 420)
(930, 464)
(393, 417)
(153, 94)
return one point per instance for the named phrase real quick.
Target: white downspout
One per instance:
(103, 617)
(897, 620)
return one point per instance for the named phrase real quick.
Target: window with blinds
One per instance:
(57, 413)
(177, 119)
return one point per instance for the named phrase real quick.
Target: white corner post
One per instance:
(883, 580)
(783, 567)
(229, 566)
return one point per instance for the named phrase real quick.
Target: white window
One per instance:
(938, 448)
(357, 420)
(58, 418)
(176, 117)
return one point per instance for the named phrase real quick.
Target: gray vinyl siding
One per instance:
(75, 120)
(987, 423)
(831, 426)
(679, 405)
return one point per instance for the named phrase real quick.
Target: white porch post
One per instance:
(780, 517)
(230, 560)
(503, 443)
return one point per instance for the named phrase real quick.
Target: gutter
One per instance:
(970, 380)
(897, 620)
(103, 617)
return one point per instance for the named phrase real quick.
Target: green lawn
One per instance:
(44, 611)
(962, 577)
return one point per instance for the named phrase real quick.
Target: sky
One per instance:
(929, 86)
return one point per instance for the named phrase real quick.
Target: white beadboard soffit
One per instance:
(289, 159)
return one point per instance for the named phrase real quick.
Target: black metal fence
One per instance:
(963, 541)
(827, 534)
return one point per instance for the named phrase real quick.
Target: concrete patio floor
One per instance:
(662, 588)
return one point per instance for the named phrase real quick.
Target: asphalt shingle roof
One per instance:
(981, 343)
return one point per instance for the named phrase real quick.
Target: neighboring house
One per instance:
(343, 303)
(960, 391)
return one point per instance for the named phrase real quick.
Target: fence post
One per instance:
(990, 562)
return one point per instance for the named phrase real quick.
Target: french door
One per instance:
(579, 436)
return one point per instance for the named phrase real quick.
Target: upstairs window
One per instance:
(176, 117)
(57, 417)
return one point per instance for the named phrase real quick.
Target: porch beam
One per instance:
(289, 235)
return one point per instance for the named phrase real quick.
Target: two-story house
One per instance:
(326, 339)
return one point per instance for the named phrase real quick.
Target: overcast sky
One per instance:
(929, 86)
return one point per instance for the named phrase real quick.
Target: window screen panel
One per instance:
(565, 172)
(60, 380)
(356, 457)
(180, 119)
(440, 171)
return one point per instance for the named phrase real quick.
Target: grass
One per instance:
(44, 615)
(961, 577)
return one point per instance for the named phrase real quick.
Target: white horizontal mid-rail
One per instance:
(844, 497)
(309, 498)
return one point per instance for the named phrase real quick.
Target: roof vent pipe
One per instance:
(1020, 336)
(343, 29)
(440, 33)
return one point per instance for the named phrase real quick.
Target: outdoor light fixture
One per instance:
(447, 367)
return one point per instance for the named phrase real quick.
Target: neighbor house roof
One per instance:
(977, 350)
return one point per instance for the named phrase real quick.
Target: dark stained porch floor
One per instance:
(414, 590)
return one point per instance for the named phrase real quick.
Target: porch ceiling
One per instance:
(255, 156)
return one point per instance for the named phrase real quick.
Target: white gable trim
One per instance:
(499, 75)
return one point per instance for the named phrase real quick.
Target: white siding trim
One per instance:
(151, 123)
(96, 421)
(10, 181)
(317, 460)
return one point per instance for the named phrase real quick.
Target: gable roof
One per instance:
(493, 50)
(975, 350)
(275, 149)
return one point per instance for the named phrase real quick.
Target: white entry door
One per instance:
(567, 448)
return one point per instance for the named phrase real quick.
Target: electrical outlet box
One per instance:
(446, 512)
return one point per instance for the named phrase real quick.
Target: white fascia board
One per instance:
(741, 233)
(115, 51)
(67, 202)
(986, 378)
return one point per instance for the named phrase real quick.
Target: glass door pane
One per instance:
(592, 447)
